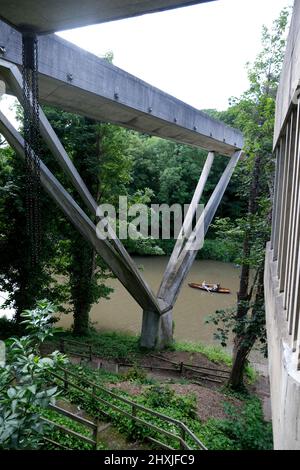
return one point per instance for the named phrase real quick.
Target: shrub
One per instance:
(245, 429)
(23, 382)
(8, 328)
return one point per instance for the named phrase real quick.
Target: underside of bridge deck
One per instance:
(77, 81)
(45, 16)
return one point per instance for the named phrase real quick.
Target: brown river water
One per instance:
(122, 313)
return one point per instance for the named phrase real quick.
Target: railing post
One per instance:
(65, 380)
(62, 345)
(96, 433)
(90, 352)
(182, 435)
(181, 368)
(133, 412)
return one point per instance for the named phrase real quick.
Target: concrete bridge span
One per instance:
(80, 82)
(48, 17)
(77, 81)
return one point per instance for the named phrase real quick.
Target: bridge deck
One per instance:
(47, 17)
(80, 82)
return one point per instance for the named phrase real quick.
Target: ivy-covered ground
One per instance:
(219, 419)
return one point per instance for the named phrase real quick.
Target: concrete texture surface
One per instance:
(77, 81)
(47, 16)
(284, 376)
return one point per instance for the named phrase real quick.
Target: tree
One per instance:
(16, 274)
(100, 152)
(254, 114)
(24, 382)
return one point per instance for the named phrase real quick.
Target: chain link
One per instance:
(32, 144)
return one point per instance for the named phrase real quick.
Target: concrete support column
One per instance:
(157, 330)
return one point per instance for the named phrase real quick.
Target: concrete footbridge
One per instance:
(77, 81)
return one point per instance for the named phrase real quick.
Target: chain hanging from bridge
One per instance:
(32, 143)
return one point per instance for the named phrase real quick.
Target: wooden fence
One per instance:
(86, 351)
(183, 430)
(93, 426)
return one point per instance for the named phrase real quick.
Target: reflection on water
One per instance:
(122, 313)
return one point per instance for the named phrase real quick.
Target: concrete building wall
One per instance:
(282, 265)
(284, 376)
(290, 75)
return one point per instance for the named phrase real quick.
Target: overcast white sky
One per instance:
(198, 53)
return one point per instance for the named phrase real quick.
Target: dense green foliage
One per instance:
(244, 428)
(64, 439)
(254, 114)
(23, 380)
(17, 277)
(111, 345)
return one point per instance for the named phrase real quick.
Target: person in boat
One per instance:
(211, 287)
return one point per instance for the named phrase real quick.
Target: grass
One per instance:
(110, 345)
(244, 428)
(213, 353)
(63, 438)
(121, 346)
(116, 345)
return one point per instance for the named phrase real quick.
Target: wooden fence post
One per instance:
(133, 412)
(182, 435)
(65, 380)
(62, 345)
(96, 433)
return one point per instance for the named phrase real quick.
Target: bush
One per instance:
(8, 328)
(24, 389)
(245, 429)
(112, 345)
(135, 374)
(218, 250)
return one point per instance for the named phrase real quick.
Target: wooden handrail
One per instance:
(125, 400)
(136, 406)
(69, 431)
(93, 426)
(74, 417)
(190, 365)
(178, 366)
(126, 413)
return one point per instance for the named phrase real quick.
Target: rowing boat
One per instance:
(210, 288)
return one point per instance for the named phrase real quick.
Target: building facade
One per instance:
(282, 268)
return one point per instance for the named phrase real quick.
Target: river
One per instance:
(122, 313)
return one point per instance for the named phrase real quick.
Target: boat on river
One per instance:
(212, 288)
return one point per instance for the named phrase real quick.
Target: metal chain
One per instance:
(32, 143)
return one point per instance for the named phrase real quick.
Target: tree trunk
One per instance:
(81, 319)
(236, 379)
(81, 284)
(240, 352)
